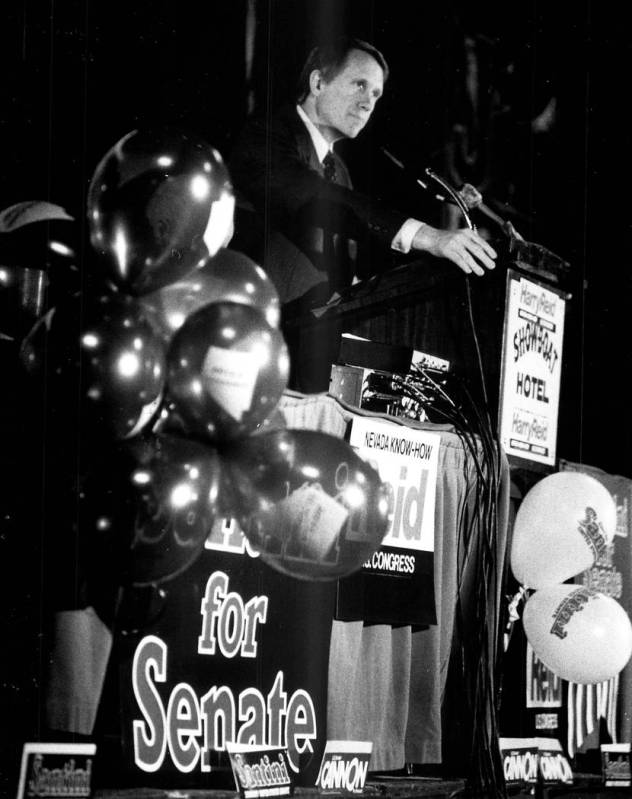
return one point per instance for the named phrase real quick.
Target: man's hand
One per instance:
(464, 247)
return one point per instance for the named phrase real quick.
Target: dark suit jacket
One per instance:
(288, 215)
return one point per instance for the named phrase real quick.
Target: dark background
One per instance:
(77, 76)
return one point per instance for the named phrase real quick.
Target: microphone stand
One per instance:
(467, 198)
(456, 198)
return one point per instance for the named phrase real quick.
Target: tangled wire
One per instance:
(477, 646)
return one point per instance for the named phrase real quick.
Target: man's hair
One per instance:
(330, 59)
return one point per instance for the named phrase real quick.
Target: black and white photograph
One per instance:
(312, 316)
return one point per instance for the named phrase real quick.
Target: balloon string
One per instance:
(512, 608)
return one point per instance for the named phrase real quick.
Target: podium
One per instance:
(431, 306)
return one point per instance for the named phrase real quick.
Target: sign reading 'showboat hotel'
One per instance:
(531, 369)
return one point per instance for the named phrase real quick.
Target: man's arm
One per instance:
(268, 170)
(464, 247)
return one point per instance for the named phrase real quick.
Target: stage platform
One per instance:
(586, 786)
(428, 788)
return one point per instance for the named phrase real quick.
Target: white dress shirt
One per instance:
(404, 237)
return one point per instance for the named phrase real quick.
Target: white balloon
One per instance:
(564, 523)
(581, 635)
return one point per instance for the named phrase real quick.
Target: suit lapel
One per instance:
(307, 151)
(304, 144)
(334, 255)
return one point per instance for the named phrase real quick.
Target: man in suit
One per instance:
(298, 214)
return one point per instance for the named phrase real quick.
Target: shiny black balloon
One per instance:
(159, 203)
(123, 365)
(228, 277)
(307, 502)
(226, 370)
(176, 487)
(101, 355)
(154, 504)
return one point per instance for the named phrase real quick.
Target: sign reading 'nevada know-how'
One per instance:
(396, 584)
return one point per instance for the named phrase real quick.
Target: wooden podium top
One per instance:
(426, 274)
(431, 306)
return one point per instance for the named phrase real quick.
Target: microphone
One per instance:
(467, 198)
(401, 166)
(458, 200)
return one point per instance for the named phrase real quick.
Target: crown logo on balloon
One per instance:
(593, 533)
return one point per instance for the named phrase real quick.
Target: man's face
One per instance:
(344, 104)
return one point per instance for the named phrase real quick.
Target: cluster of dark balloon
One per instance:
(182, 364)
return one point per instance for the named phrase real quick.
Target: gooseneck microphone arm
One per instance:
(454, 195)
(418, 181)
(466, 198)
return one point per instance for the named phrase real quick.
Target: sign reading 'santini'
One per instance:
(532, 367)
(260, 771)
(56, 770)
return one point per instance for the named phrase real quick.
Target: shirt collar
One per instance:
(321, 145)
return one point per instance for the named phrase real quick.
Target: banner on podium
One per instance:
(396, 584)
(531, 369)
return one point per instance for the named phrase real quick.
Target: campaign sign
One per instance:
(615, 765)
(260, 771)
(611, 574)
(56, 769)
(344, 767)
(531, 370)
(396, 584)
(520, 760)
(546, 721)
(237, 655)
(553, 764)
(544, 688)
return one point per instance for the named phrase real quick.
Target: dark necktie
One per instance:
(329, 167)
(332, 257)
